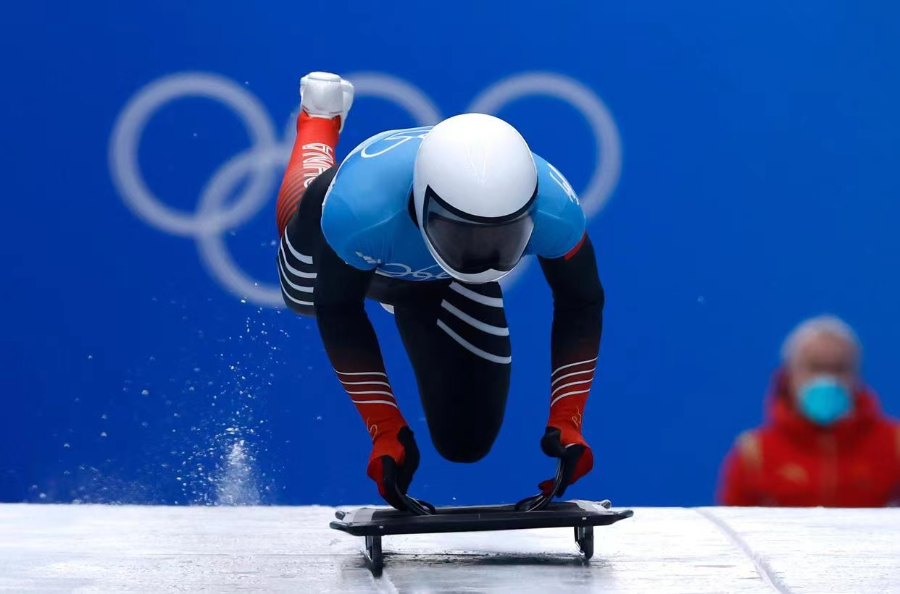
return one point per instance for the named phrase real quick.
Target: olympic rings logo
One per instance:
(262, 162)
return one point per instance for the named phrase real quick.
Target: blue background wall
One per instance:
(758, 186)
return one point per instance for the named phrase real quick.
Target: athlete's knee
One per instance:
(464, 445)
(463, 451)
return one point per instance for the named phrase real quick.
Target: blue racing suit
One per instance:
(354, 235)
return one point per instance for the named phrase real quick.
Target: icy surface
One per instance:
(50, 548)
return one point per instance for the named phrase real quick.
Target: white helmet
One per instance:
(474, 187)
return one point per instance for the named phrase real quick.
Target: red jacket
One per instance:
(791, 462)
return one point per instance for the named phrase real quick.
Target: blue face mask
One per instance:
(823, 400)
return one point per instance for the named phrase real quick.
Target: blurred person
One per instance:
(826, 441)
(425, 221)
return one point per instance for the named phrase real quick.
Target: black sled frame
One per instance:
(538, 511)
(373, 523)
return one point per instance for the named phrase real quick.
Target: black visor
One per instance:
(471, 244)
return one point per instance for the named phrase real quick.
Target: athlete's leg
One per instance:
(324, 104)
(459, 346)
(318, 128)
(299, 247)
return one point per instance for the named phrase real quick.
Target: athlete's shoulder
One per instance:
(375, 178)
(369, 191)
(380, 165)
(559, 220)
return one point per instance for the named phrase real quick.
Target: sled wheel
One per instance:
(584, 536)
(374, 556)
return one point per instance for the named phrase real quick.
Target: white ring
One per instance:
(216, 213)
(606, 135)
(211, 244)
(290, 129)
(406, 95)
(608, 164)
(381, 86)
(125, 142)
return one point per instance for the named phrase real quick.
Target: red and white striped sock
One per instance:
(313, 153)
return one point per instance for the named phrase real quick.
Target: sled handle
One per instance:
(416, 506)
(541, 501)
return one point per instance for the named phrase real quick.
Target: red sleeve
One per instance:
(736, 475)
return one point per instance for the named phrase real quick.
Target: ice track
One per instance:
(51, 548)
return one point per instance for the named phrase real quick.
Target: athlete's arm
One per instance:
(351, 343)
(346, 331)
(578, 300)
(574, 343)
(353, 350)
(567, 258)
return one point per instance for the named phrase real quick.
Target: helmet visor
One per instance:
(471, 244)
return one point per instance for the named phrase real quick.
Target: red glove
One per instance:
(393, 462)
(563, 440)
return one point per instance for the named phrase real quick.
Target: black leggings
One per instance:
(455, 334)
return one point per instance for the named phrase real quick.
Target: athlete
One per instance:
(425, 221)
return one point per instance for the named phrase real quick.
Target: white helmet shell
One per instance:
(479, 166)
